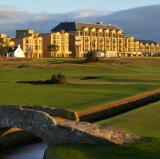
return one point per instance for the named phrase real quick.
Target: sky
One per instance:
(43, 15)
(62, 6)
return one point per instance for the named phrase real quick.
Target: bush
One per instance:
(58, 79)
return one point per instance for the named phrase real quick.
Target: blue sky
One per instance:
(61, 6)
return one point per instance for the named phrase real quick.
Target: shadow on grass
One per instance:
(148, 148)
(90, 78)
(39, 82)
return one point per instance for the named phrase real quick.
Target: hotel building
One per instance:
(86, 37)
(31, 43)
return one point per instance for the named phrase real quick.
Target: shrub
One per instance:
(58, 79)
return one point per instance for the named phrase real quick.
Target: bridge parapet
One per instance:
(54, 130)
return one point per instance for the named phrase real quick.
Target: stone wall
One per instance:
(115, 108)
(54, 130)
(63, 113)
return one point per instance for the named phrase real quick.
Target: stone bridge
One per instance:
(56, 126)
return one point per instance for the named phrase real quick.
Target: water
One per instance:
(30, 151)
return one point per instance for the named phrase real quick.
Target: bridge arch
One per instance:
(54, 130)
(36, 122)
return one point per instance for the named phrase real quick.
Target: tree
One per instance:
(4, 49)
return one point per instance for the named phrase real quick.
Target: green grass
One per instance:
(116, 81)
(147, 149)
(144, 121)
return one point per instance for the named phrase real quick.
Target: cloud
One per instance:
(11, 19)
(142, 22)
(86, 13)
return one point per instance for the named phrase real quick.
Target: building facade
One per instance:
(6, 40)
(31, 43)
(148, 47)
(60, 44)
(77, 39)
(86, 37)
(56, 45)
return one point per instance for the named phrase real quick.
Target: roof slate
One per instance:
(74, 26)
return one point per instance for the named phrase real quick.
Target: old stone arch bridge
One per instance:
(53, 128)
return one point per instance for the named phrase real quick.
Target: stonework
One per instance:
(55, 130)
(112, 109)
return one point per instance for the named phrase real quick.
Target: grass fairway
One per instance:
(148, 149)
(143, 121)
(116, 79)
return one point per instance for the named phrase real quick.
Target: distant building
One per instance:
(46, 44)
(31, 43)
(60, 44)
(6, 40)
(148, 47)
(78, 40)
(86, 37)
(99, 54)
(56, 44)
(16, 52)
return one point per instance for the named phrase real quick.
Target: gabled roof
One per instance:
(74, 26)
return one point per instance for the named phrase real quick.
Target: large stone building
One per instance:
(31, 43)
(86, 37)
(56, 44)
(77, 39)
(148, 47)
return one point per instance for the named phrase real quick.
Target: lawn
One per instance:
(114, 80)
(147, 149)
(143, 121)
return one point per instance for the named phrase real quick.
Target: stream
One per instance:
(29, 151)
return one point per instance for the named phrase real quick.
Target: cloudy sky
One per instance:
(135, 17)
(62, 6)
